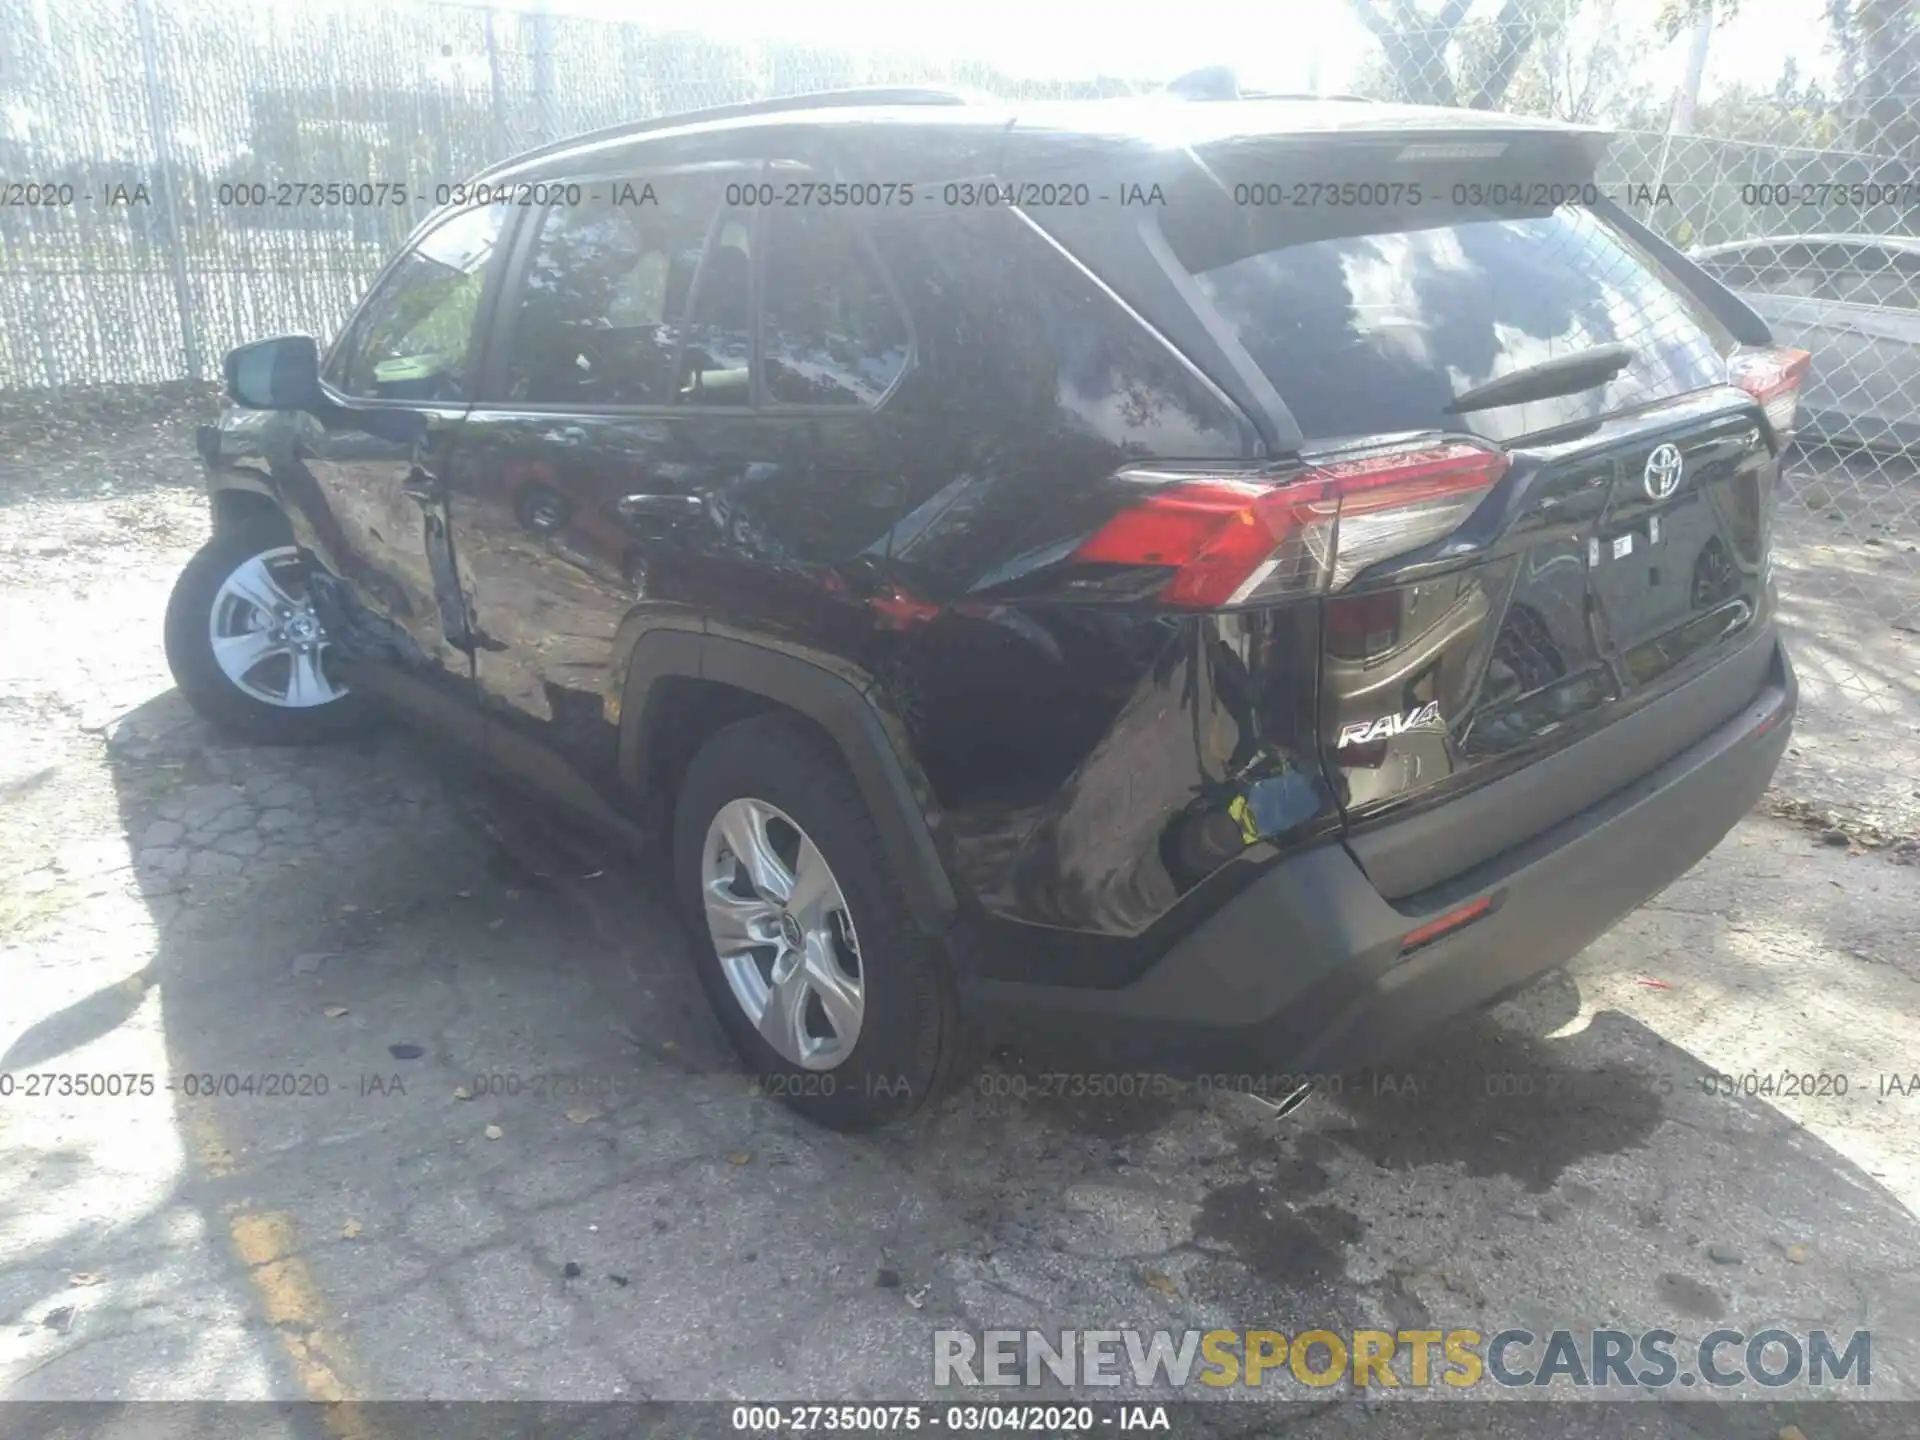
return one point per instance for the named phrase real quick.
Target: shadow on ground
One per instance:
(507, 1144)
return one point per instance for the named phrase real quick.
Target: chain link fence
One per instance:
(154, 155)
(1822, 242)
(171, 164)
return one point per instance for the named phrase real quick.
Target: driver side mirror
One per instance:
(278, 374)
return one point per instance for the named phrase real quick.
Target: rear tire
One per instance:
(245, 592)
(769, 787)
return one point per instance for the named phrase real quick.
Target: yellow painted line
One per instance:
(268, 1243)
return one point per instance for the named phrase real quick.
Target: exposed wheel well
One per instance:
(682, 686)
(233, 506)
(683, 713)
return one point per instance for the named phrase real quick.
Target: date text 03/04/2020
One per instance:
(193, 1085)
(876, 1419)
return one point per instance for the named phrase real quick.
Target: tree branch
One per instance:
(1370, 17)
(1516, 35)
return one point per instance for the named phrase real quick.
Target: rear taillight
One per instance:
(1230, 541)
(1772, 375)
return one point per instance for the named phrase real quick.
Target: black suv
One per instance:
(1209, 586)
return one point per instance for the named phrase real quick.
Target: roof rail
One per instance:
(819, 100)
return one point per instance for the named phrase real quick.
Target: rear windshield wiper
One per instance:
(1562, 375)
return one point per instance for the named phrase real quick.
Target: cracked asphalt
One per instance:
(430, 1118)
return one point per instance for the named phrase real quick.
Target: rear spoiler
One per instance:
(1729, 309)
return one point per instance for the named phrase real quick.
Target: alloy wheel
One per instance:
(783, 934)
(266, 638)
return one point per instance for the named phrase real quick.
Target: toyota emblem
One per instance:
(1662, 476)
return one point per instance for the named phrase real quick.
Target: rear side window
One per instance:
(1008, 323)
(1376, 328)
(716, 364)
(607, 286)
(831, 332)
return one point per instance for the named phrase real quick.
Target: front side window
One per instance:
(1795, 270)
(1738, 269)
(413, 338)
(606, 291)
(1871, 275)
(831, 331)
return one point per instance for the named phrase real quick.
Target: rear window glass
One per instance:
(1376, 332)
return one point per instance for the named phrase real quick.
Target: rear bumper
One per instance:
(1304, 972)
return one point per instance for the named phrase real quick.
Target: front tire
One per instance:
(245, 647)
(837, 1003)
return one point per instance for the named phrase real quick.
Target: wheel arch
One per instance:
(683, 685)
(238, 496)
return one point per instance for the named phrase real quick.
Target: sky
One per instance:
(1283, 45)
(1274, 44)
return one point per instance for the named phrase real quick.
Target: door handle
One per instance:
(651, 507)
(426, 488)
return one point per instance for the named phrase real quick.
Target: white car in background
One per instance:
(1854, 301)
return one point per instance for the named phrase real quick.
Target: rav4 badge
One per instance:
(1427, 717)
